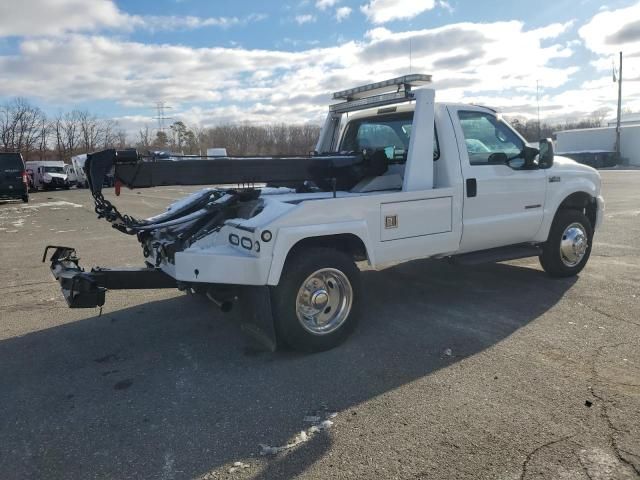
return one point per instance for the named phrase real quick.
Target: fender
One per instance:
(555, 197)
(288, 237)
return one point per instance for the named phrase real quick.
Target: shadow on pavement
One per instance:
(167, 387)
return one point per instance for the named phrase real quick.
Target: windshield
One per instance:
(54, 169)
(383, 132)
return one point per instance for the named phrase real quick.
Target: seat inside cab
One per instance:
(390, 133)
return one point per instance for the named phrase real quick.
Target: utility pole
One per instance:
(538, 101)
(160, 115)
(619, 109)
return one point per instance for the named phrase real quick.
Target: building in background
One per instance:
(596, 146)
(626, 120)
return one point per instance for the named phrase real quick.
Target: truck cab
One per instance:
(395, 177)
(499, 197)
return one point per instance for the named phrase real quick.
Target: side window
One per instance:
(485, 135)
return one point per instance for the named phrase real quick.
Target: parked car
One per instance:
(14, 182)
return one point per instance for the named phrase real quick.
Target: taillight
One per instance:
(25, 178)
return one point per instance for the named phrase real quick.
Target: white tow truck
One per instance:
(395, 177)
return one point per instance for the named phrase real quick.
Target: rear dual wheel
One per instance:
(315, 305)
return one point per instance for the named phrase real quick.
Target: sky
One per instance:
(216, 62)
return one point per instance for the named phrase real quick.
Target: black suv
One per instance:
(13, 177)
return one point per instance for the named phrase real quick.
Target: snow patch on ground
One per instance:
(237, 466)
(59, 203)
(318, 426)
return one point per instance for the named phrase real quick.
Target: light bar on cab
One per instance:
(405, 82)
(391, 98)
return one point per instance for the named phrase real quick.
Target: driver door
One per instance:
(503, 204)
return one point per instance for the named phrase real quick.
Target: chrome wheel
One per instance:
(573, 244)
(324, 301)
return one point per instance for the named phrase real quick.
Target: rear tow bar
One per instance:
(87, 289)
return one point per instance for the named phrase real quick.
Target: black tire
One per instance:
(25, 198)
(304, 263)
(552, 260)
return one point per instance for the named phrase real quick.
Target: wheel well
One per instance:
(582, 202)
(345, 242)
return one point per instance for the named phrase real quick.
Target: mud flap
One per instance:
(257, 318)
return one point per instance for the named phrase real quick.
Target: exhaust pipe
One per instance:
(224, 305)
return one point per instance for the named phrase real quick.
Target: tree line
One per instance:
(238, 139)
(533, 131)
(25, 127)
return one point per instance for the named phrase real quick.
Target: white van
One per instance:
(48, 174)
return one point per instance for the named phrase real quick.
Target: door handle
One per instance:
(472, 187)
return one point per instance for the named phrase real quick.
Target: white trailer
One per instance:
(399, 178)
(601, 140)
(77, 163)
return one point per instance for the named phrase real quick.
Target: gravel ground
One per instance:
(493, 371)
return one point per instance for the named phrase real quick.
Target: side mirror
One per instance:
(498, 158)
(545, 160)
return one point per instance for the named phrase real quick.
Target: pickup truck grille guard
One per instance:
(190, 221)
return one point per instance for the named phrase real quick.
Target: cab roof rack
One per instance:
(388, 92)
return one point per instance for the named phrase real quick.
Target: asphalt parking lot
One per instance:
(493, 371)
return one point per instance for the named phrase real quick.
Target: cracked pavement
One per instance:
(487, 372)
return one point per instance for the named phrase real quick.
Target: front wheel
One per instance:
(568, 247)
(25, 198)
(315, 305)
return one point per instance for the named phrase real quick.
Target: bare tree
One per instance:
(91, 130)
(121, 138)
(66, 128)
(20, 124)
(144, 138)
(109, 134)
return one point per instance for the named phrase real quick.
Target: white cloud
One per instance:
(306, 18)
(27, 18)
(151, 22)
(42, 17)
(606, 34)
(611, 31)
(324, 4)
(342, 13)
(469, 62)
(382, 11)
(444, 4)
